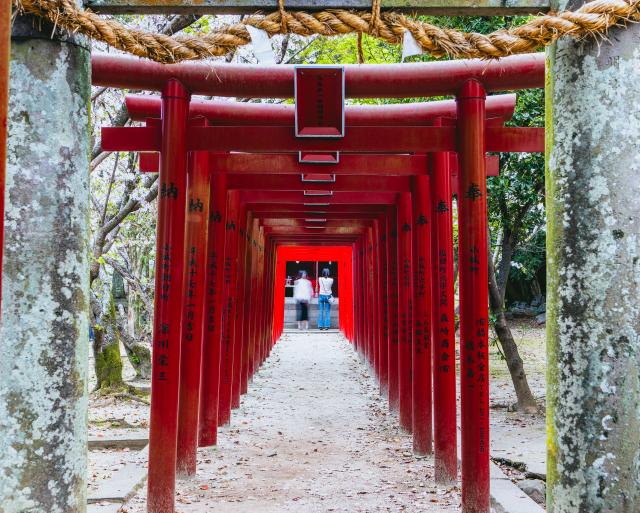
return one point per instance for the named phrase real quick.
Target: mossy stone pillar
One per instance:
(45, 328)
(593, 251)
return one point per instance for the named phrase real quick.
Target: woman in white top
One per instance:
(325, 296)
(302, 292)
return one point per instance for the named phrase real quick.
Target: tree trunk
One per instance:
(526, 401)
(106, 350)
(138, 352)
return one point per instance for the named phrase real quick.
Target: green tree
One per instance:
(516, 214)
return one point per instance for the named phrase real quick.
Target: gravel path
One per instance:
(312, 435)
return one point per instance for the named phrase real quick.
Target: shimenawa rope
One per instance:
(592, 19)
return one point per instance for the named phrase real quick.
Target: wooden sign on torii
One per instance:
(431, 7)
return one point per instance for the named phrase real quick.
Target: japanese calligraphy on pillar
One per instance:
(393, 289)
(422, 328)
(215, 218)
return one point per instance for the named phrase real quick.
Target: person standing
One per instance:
(302, 293)
(325, 297)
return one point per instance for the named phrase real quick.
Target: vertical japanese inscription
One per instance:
(192, 274)
(444, 333)
(215, 218)
(162, 344)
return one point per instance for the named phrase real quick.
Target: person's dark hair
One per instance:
(325, 272)
(302, 273)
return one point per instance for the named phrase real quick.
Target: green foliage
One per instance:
(516, 197)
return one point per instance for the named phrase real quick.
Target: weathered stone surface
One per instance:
(593, 247)
(534, 488)
(44, 330)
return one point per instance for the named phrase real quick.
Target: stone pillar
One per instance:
(44, 336)
(593, 251)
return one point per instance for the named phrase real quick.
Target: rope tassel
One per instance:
(592, 19)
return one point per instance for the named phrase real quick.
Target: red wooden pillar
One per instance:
(213, 309)
(245, 309)
(422, 425)
(168, 301)
(378, 295)
(230, 270)
(253, 306)
(357, 297)
(443, 327)
(193, 312)
(252, 295)
(240, 308)
(264, 287)
(268, 296)
(472, 257)
(384, 305)
(370, 292)
(266, 309)
(271, 266)
(363, 303)
(405, 309)
(259, 326)
(364, 298)
(377, 325)
(278, 295)
(392, 288)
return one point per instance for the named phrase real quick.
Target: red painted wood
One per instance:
(474, 318)
(213, 325)
(422, 218)
(274, 182)
(405, 309)
(379, 299)
(230, 271)
(276, 139)
(168, 301)
(357, 139)
(369, 294)
(337, 253)
(141, 107)
(198, 186)
(443, 327)
(239, 327)
(392, 288)
(440, 78)
(350, 164)
(338, 198)
(319, 101)
(383, 291)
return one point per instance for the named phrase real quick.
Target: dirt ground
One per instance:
(314, 435)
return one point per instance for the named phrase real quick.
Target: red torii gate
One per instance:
(189, 155)
(340, 254)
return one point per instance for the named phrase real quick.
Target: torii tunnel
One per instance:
(243, 187)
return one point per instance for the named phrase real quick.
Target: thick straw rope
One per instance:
(592, 19)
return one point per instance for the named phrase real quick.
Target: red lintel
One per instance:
(372, 81)
(339, 198)
(357, 139)
(272, 182)
(141, 107)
